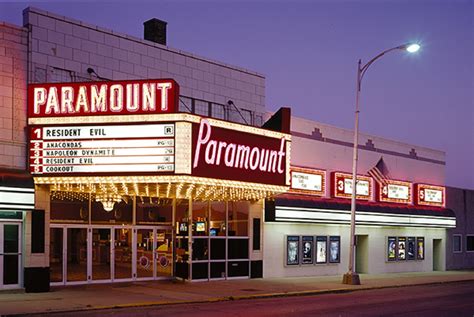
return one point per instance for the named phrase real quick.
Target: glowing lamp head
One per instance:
(412, 48)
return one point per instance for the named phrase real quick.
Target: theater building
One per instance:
(123, 159)
(400, 226)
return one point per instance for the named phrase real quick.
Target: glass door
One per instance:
(10, 255)
(145, 242)
(123, 253)
(164, 252)
(101, 238)
(76, 254)
(56, 252)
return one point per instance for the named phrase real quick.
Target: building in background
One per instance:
(78, 209)
(460, 246)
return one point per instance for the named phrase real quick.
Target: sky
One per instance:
(308, 52)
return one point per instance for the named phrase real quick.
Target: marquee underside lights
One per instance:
(313, 215)
(180, 187)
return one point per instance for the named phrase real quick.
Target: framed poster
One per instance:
(321, 249)
(411, 248)
(334, 249)
(292, 250)
(402, 242)
(307, 248)
(420, 248)
(391, 249)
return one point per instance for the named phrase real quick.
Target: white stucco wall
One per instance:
(274, 254)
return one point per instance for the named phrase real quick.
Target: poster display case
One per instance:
(334, 249)
(292, 250)
(307, 250)
(321, 249)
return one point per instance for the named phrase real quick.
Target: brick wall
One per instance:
(13, 64)
(64, 48)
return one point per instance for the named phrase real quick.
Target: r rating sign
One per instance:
(102, 149)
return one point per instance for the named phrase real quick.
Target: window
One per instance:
(457, 243)
(258, 120)
(470, 243)
(58, 75)
(247, 116)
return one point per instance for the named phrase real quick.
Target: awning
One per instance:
(310, 209)
(17, 191)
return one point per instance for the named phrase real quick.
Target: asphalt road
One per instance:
(453, 299)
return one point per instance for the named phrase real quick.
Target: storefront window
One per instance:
(200, 218)
(182, 246)
(200, 249)
(56, 254)
(217, 226)
(121, 214)
(238, 217)
(154, 211)
(69, 210)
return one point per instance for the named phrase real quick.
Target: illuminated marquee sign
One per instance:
(308, 181)
(103, 98)
(102, 149)
(236, 155)
(342, 186)
(396, 192)
(430, 195)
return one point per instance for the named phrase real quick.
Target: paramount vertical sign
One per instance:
(236, 155)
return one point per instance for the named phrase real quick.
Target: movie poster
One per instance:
(411, 248)
(392, 249)
(334, 249)
(420, 253)
(292, 250)
(321, 249)
(307, 247)
(402, 243)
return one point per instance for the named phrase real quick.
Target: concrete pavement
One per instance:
(136, 294)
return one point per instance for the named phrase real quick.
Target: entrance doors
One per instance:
(10, 255)
(154, 252)
(83, 254)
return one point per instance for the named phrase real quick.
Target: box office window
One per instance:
(457, 243)
(238, 217)
(470, 243)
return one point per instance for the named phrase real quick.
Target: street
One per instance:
(453, 299)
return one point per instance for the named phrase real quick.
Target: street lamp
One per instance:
(351, 277)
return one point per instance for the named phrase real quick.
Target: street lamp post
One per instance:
(351, 277)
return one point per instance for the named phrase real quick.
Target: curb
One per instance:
(240, 297)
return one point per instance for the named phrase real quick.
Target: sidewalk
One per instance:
(101, 296)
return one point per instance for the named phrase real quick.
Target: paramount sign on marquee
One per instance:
(219, 152)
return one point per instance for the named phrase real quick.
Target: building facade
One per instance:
(460, 246)
(123, 159)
